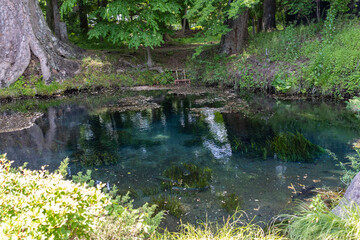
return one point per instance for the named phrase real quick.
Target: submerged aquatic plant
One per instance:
(188, 176)
(149, 191)
(231, 202)
(169, 204)
(294, 147)
(96, 159)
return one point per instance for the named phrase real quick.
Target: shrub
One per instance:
(41, 205)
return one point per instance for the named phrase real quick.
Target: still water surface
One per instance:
(140, 144)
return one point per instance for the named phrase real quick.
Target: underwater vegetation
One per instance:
(231, 202)
(186, 176)
(95, 159)
(288, 146)
(169, 204)
(252, 148)
(294, 147)
(149, 191)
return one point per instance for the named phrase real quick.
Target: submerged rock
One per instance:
(350, 200)
(17, 121)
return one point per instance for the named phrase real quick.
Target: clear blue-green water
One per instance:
(140, 144)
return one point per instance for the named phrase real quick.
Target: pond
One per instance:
(130, 139)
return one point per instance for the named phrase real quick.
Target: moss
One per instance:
(231, 203)
(294, 147)
(169, 204)
(187, 175)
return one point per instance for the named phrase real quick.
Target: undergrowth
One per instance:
(310, 60)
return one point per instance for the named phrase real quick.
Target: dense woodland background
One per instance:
(307, 47)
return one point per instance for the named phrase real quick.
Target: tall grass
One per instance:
(232, 228)
(317, 222)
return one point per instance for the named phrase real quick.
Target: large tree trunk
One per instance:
(269, 15)
(235, 40)
(23, 30)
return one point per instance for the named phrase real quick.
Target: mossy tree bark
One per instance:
(234, 41)
(23, 30)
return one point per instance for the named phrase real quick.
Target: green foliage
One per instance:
(232, 203)
(318, 222)
(294, 147)
(211, 14)
(188, 176)
(62, 170)
(146, 29)
(334, 68)
(351, 168)
(299, 7)
(35, 204)
(82, 179)
(170, 205)
(39, 205)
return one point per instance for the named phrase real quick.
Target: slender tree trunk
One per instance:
(253, 26)
(259, 24)
(234, 41)
(84, 25)
(269, 15)
(185, 22)
(23, 30)
(150, 62)
(318, 12)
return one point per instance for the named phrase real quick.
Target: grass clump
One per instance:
(318, 222)
(170, 205)
(232, 228)
(294, 147)
(231, 202)
(188, 176)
